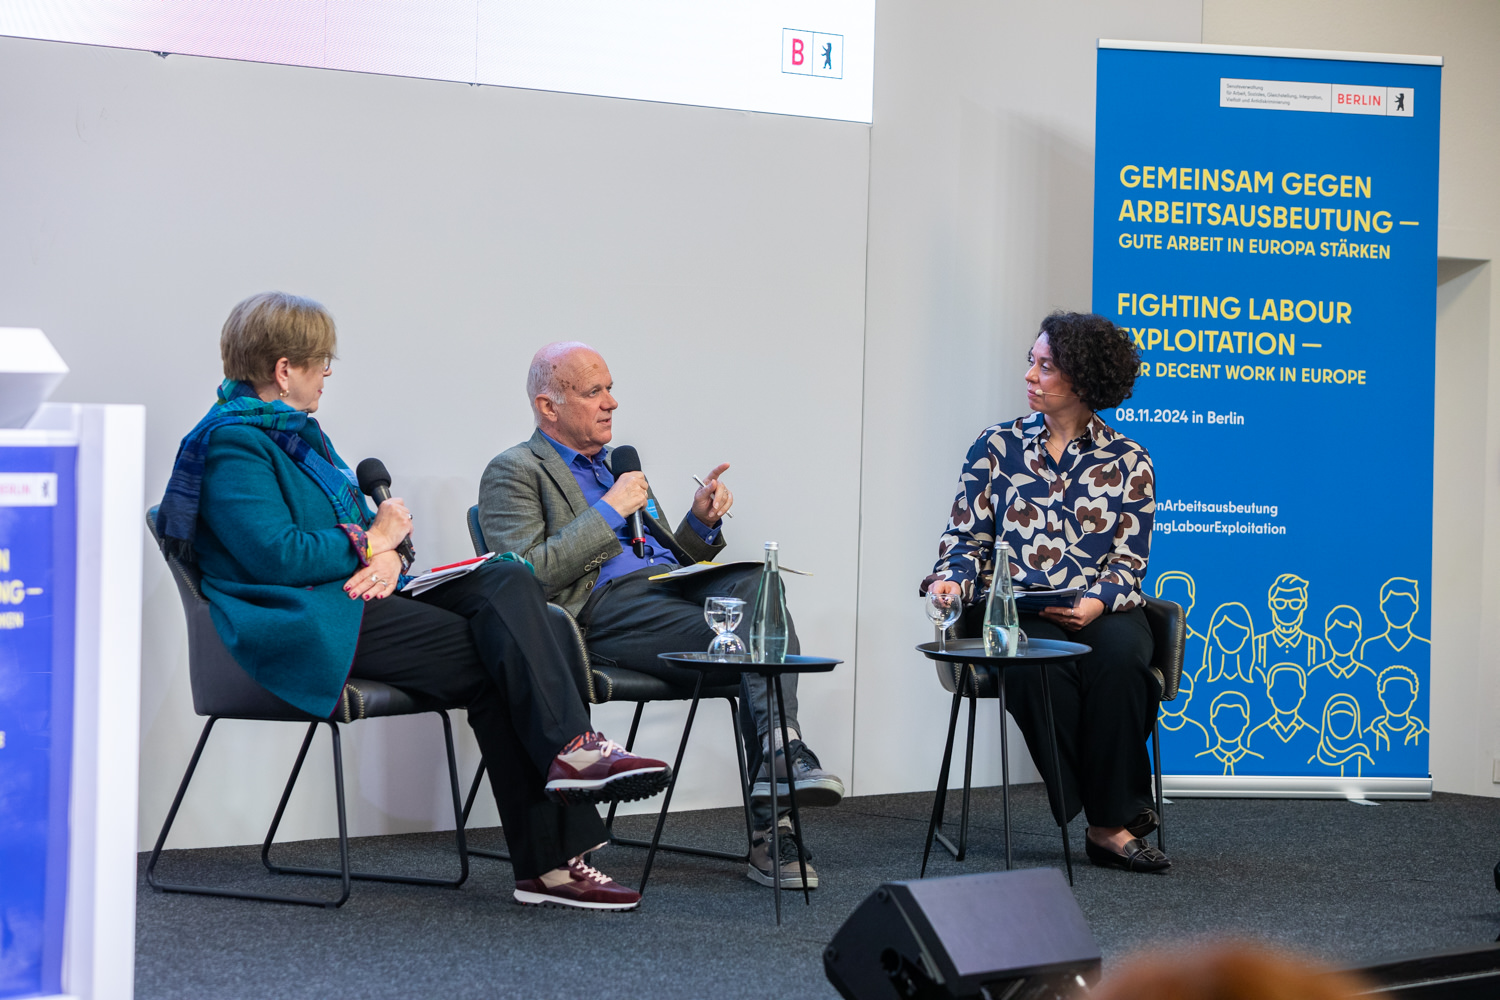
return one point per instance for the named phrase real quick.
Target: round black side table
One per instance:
(971, 653)
(704, 663)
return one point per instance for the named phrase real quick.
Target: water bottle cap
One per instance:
(772, 546)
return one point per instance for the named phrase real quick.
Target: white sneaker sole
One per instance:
(542, 899)
(792, 881)
(821, 794)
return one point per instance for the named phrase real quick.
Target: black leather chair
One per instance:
(222, 690)
(1169, 635)
(604, 683)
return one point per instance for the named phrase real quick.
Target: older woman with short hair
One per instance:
(302, 584)
(1074, 499)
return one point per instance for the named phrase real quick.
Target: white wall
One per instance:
(1466, 550)
(981, 187)
(715, 257)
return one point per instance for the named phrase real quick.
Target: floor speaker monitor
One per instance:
(1015, 935)
(1466, 974)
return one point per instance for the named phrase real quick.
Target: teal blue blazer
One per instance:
(274, 563)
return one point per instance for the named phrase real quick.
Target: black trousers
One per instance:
(1102, 705)
(632, 619)
(483, 641)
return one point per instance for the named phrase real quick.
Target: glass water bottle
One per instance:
(768, 622)
(1002, 625)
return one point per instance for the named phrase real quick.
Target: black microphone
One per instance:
(622, 460)
(375, 483)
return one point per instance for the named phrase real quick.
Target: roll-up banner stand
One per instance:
(38, 533)
(1265, 228)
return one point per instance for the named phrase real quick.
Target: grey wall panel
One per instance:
(715, 257)
(981, 181)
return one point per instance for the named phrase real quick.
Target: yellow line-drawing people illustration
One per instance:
(1399, 600)
(1175, 585)
(1285, 734)
(1192, 737)
(1286, 642)
(1230, 717)
(1229, 666)
(1340, 746)
(1225, 657)
(1398, 687)
(1341, 672)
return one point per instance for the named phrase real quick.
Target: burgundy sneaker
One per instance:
(587, 888)
(594, 769)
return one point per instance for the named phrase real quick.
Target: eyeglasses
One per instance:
(1282, 603)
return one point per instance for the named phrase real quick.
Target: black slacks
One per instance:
(632, 619)
(1101, 707)
(483, 641)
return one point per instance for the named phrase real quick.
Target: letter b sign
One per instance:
(812, 53)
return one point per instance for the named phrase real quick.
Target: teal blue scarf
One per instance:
(298, 435)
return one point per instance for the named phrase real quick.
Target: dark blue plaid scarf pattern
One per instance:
(294, 431)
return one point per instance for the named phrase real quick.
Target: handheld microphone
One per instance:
(375, 483)
(622, 460)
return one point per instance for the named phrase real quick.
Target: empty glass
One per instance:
(723, 615)
(943, 610)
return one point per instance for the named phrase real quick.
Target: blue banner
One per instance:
(1265, 227)
(38, 538)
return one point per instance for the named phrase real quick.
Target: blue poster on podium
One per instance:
(1265, 229)
(38, 535)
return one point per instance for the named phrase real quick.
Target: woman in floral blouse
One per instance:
(1074, 500)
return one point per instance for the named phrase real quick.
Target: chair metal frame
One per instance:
(195, 603)
(595, 673)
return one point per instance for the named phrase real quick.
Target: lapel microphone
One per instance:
(622, 460)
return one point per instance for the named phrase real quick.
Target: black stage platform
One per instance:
(1343, 882)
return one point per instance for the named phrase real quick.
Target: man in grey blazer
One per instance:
(555, 500)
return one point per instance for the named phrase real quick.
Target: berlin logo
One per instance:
(812, 53)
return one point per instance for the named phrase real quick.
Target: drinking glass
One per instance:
(943, 610)
(723, 615)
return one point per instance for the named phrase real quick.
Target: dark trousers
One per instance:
(633, 618)
(1101, 706)
(483, 641)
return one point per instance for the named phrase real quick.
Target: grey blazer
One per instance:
(530, 504)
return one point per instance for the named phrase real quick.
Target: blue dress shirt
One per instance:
(595, 479)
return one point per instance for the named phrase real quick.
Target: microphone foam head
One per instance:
(371, 473)
(624, 459)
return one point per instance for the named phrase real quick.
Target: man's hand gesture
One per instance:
(713, 499)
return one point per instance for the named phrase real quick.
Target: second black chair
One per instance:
(604, 683)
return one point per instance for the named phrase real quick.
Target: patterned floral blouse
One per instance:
(1082, 522)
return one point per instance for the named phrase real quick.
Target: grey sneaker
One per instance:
(815, 786)
(791, 871)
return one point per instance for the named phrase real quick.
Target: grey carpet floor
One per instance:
(1346, 883)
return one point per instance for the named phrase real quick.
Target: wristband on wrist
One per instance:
(359, 541)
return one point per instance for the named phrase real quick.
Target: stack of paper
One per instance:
(438, 574)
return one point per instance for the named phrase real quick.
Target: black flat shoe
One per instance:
(1145, 824)
(1138, 856)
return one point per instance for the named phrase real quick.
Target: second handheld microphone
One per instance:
(375, 483)
(622, 460)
